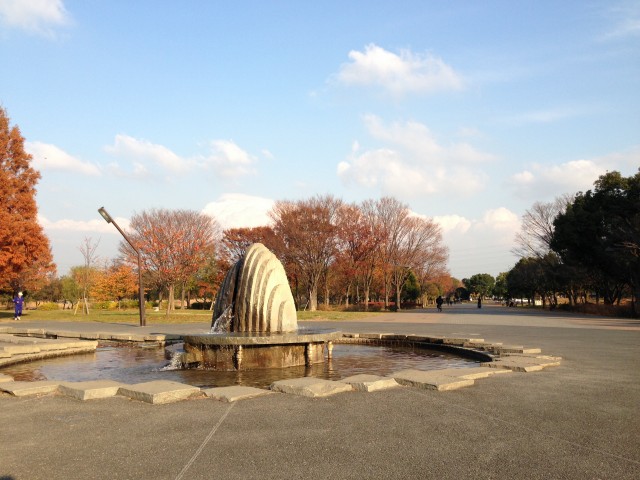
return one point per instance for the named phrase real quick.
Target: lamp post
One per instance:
(108, 219)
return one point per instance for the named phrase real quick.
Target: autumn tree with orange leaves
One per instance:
(308, 231)
(116, 282)
(235, 241)
(25, 255)
(173, 244)
(358, 241)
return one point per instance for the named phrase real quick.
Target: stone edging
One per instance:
(498, 359)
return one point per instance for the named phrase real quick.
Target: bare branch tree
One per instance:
(536, 231)
(86, 277)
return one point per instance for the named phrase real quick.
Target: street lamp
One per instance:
(108, 219)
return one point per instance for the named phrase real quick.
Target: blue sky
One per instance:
(467, 111)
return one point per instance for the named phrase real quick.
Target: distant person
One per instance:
(439, 302)
(479, 302)
(17, 302)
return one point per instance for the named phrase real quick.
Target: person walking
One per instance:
(439, 302)
(18, 301)
(479, 301)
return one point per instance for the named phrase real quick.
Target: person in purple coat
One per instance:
(18, 301)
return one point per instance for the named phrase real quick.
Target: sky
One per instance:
(468, 112)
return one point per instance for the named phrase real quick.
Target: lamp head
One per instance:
(105, 215)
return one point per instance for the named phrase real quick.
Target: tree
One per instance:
(70, 289)
(369, 263)
(25, 254)
(411, 289)
(419, 248)
(600, 231)
(86, 276)
(521, 279)
(357, 247)
(501, 288)
(235, 241)
(481, 284)
(307, 229)
(536, 231)
(173, 245)
(117, 282)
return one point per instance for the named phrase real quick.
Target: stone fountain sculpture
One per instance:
(255, 296)
(254, 321)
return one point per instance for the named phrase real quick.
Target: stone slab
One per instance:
(373, 336)
(22, 389)
(116, 337)
(64, 333)
(91, 389)
(310, 387)
(518, 350)
(461, 341)
(158, 391)
(5, 378)
(524, 364)
(90, 335)
(19, 349)
(430, 380)
(28, 331)
(155, 338)
(234, 393)
(393, 336)
(425, 338)
(370, 383)
(472, 373)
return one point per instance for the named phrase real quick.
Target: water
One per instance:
(130, 364)
(221, 324)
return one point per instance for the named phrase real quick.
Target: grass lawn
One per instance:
(152, 317)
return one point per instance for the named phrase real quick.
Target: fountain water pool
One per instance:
(131, 364)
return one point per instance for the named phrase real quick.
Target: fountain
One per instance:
(254, 322)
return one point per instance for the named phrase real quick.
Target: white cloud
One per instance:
(501, 220)
(546, 180)
(95, 225)
(413, 163)
(35, 16)
(479, 245)
(540, 181)
(142, 150)
(226, 159)
(50, 157)
(400, 74)
(235, 210)
(453, 223)
(229, 160)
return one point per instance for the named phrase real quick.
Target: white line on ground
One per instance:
(204, 443)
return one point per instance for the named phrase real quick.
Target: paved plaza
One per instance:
(576, 420)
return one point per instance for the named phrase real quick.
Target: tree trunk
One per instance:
(170, 299)
(366, 298)
(313, 298)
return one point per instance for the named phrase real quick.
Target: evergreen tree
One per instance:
(25, 254)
